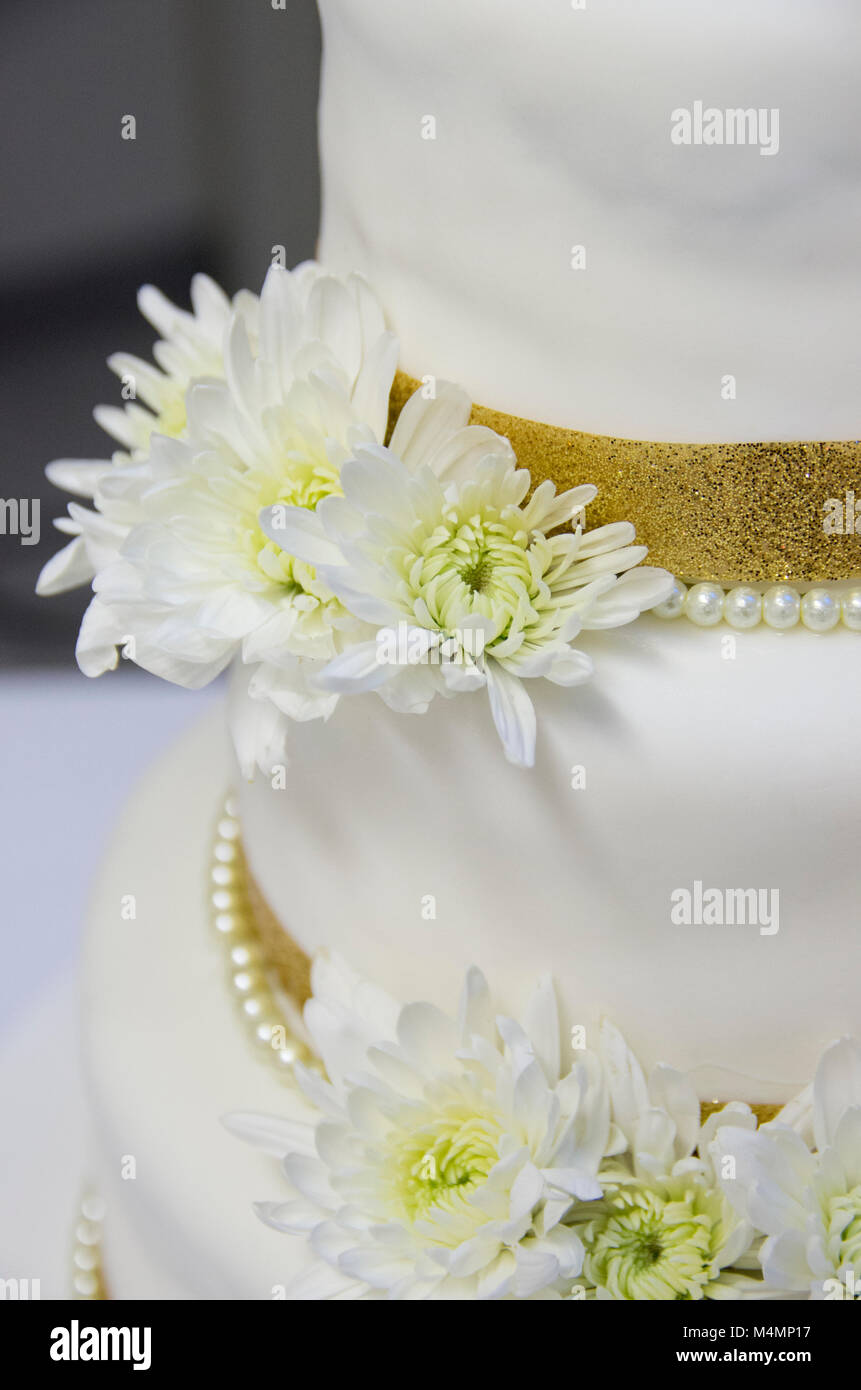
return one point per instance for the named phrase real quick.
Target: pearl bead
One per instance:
(228, 923)
(93, 1208)
(235, 927)
(781, 606)
(86, 1269)
(742, 607)
(248, 982)
(820, 610)
(246, 955)
(851, 607)
(704, 604)
(674, 604)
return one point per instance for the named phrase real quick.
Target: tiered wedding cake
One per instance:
(629, 233)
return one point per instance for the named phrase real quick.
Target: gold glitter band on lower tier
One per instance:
(256, 945)
(729, 513)
(764, 1111)
(281, 952)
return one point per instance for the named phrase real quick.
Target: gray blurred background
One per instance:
(223, 168)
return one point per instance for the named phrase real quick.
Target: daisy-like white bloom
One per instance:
(664, 1230)
(446, 1154)
(184, 573)
(190, 347)
(435, 543)
(798, 1180)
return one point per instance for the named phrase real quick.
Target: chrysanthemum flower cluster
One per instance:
(255, 513)
(469, 1158)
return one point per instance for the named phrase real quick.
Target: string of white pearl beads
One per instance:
(781, 606)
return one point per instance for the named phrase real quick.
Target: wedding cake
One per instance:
(520, 927)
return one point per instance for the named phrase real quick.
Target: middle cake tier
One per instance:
(682, 858)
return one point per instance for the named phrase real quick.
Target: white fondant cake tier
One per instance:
(409, 844)
(469, 148)
(166, 1057)
(725, 768)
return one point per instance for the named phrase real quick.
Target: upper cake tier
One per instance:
(513, 179)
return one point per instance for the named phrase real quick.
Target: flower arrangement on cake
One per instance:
(470, 1159)
(268, 508)
(257, 511)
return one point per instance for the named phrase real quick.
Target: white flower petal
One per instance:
(274, 1134)
(513, 715)
(309, 1178)
(836, 1087)
(98, 639)
(536, 1267)
(427, 1036)
(673, 1092)
(475, 1015)
(78, 476)
(784, 1261)
(542, 1026)
(332, 317)
(375, 1267)
(628, 1089)
(67, 569)
(356, 669)
(280, 321)
(292, 1218)
(570, 667)
(847, 1145)
(424, 424)
(497, 1280)
(370, 395)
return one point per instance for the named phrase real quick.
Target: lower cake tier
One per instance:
(683, 858)
(166, 1055)
(410, 846)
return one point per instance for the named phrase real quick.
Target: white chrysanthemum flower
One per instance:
(798, 1180)
(664, 1230)
(435, 546)
(191, 347)
(446, 1154)
(184, 573)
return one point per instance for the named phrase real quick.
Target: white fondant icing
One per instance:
(409, 843)
(552, 129)
(166, 1056)
(736, 772)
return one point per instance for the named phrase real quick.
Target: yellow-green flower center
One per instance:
(652, 1245)
(305, 482)
(483, 566)
(439, 1164)
(476, 573)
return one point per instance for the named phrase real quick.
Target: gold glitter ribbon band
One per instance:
(282, 954)
(293, 969)
(729, 513)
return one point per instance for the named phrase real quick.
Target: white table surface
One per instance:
(72, 750)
